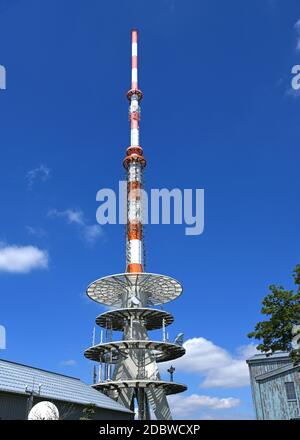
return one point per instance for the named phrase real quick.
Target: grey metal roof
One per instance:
(286, 369)
(15, 377)
(273, 357)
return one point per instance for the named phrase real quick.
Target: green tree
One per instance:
(282, 307)
(88, 412)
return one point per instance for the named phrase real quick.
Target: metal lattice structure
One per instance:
(128, 367)
(111, 290)
(153, 319)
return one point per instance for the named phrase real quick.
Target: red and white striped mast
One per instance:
(135, 380)
(134, 164)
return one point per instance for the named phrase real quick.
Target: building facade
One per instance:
(22, 386)
(275, 384)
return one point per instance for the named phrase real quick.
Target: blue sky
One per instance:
(218, 113)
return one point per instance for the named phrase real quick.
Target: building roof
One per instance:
(278, 355)
(14, 378)
(277, 371)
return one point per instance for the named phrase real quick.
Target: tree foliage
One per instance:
(88, 412)
(282, 307)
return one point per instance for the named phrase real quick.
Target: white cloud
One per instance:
(68, 363)
(235, 374)
(22, 259)
(215, 366)
(90, 233)
(293, 93)
(187, 406)
(297, 27)
(71, 215)
(247, 351)
(40, 173)
(37, 232)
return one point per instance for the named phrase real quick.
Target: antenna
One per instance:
(94, 335)
(179, 339)
(94, 375)
(128, 366)
(171, 370)
(134, 59)
(134, 164)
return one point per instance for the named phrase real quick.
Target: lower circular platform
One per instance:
(153, 319)
(158, 289)
(163, 351)
(169, 387)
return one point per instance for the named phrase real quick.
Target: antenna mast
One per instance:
(134, 164)
(128, 366)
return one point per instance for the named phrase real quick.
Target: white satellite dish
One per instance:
(44, 411)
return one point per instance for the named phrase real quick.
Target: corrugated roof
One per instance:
(15, 377)
(273, 357)
(277, 371)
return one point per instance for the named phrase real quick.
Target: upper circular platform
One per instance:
(157, 289)
(153, 319)
(163, 351)
(169, 387)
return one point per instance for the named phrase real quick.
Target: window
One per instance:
(290, 390)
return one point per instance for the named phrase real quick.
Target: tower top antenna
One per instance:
(134, 59)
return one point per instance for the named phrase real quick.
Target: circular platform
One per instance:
(164, 351)
(152, 318)
(158, 289)
(169, 387)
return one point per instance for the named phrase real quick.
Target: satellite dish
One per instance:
(44, 411)
(179, 339)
